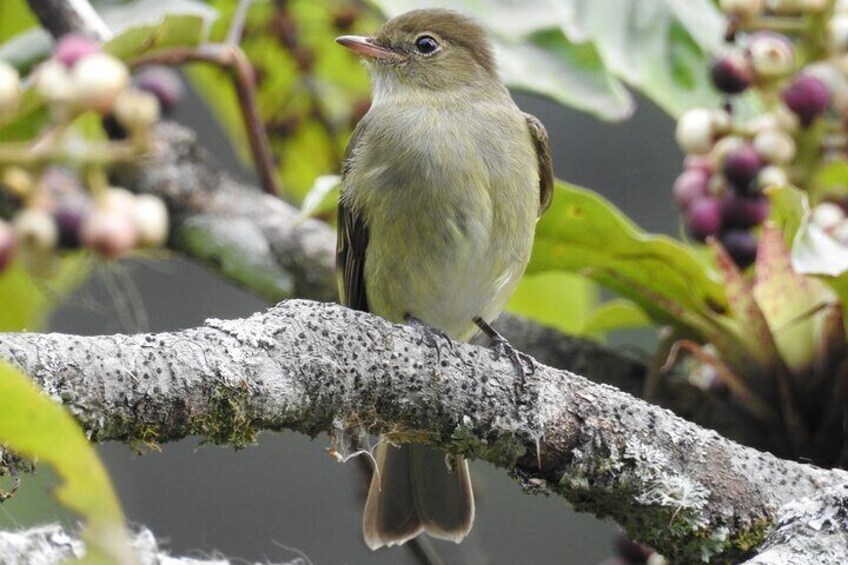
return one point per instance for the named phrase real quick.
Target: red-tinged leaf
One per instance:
(791, 303)
(740, 294)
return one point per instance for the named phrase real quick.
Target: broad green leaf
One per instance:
(37, 428)
(557, 299)
(536, 56)
(660, 47)
(614, 315)
(583, 233)
(28, 300)
(546, 63)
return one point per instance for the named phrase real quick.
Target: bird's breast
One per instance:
(450, 201)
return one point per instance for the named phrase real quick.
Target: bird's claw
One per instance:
(432, 335)
(523, 363)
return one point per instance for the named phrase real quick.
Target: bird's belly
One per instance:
(449, 273)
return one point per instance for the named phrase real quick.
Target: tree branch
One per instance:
(52, 544)
(314, 367)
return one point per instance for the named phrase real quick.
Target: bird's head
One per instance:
(430, 49)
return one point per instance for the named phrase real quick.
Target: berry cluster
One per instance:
(731, 159)
(45, 207)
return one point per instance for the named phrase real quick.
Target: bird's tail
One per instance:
(417, 489)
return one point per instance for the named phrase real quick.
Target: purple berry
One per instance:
(731, 74)
(807, 97)
(741, 246)
(741, 166)
(69, 217)
(703, 218)
(72, 47)
(8, 245)
(743, 211)
(690, 186)
(164, 83)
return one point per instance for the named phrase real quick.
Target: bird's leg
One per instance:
(431, 335)
(502, 347)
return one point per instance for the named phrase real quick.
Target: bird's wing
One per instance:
(539, 135)
(352, 238)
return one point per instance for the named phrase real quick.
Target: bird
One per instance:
(443, 181)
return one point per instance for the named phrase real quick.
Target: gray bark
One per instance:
(314, 367)
(49, 545)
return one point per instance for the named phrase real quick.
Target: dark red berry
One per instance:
(807, 97)
(113, 129)
(741, 166)
(164, 83)
(8, 245)
(744, 212)
(690, 186)
(69, 218)
(72, 47)
(703, 218)
(731, 74)
(741, 246)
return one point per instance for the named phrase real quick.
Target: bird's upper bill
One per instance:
(366, 47)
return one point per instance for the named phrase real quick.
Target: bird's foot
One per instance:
(523, 363)
(432, 336)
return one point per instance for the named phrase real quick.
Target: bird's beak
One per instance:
(366, 47)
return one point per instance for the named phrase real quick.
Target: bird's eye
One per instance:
(425, 44)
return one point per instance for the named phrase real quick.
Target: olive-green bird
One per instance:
(443, 181)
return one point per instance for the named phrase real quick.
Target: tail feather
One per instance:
(416, 491)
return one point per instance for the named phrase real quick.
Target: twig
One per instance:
(232, 58)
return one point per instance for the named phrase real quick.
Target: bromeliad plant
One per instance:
(758, 311)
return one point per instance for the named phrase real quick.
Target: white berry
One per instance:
(136, 110)
(775, 146)
(36, 230)
(53, 83)
(151, 219)
(98, 79)
(772, 55)
(695, 131)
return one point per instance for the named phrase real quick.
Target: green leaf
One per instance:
(660, 47)
(583, 233)
(146, 26)
(556, 299)
(536, 56)
(35, 427)
(614, 315)
(15, 17)
(27, 300)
